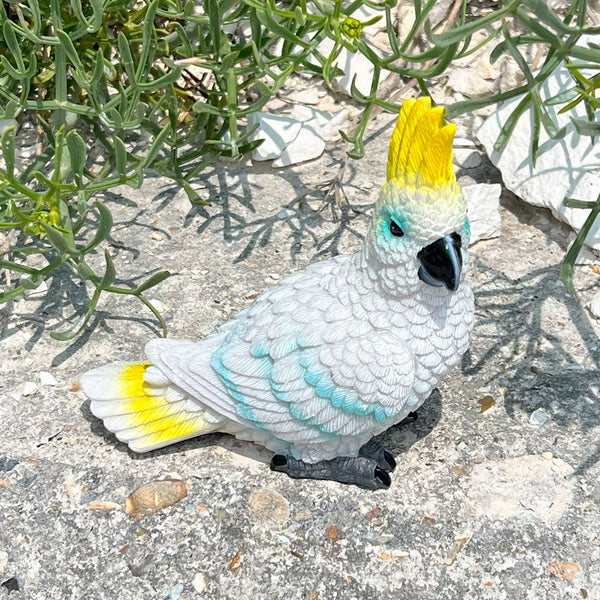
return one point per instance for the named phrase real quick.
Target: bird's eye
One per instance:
(395, 229)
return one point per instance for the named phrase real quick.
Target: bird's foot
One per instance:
(410, 417)
(362, 471)
(376, 452)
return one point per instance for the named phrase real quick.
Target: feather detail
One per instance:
(420, 153)
(145, 415)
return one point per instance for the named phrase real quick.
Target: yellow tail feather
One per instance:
(142, 408)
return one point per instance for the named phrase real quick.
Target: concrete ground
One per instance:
(484, 503)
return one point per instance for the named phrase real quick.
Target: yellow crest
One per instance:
(421, 146)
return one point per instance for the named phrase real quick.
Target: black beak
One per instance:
(441, 262)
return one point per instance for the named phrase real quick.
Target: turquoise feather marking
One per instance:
(346, 402)
(319, 381)
(389, 213)
(242, 408)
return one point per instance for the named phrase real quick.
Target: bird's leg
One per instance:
(411, 417)
(383, 458)
(356, 470)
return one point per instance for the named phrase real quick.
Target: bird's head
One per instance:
(420, 229)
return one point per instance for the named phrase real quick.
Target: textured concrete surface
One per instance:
(484, 503)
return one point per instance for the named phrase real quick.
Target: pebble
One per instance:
(175, 593)
(547, 455)
(198, 583)
(275, 276)
(268, 507)
(47, 379)
(594, 306)
(467, 158)
(158, 305)
(154, 496)
(538, 417)
(563, 570)
(29, 388)
(307, 96)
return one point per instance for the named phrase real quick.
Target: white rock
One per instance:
(307, 96)
(308, 145)
(469, 82)
(324, 122)
(297, 138)
(538, 417)
(467, 158)
(482, 208)
(587, 256)
(594, 306)
(47, 379)
(568, 167)
(29, 388)
(277, 131)
(40, 290)
(175, 592)
(158, 305)
(198, 583)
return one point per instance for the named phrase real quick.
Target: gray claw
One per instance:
(382, 457)
(356, 470)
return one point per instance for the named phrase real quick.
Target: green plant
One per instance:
(183, 75)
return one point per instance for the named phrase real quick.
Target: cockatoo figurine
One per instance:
(335, 354)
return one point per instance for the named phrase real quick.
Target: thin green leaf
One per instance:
(573, 252)
(109, 274)
(152, 281)
(105, 222)
(77, 154)
(120, 156)
(584, 127)
(8, 149)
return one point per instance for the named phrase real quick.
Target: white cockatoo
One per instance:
(335, 354)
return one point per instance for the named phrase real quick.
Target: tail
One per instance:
(143, 408)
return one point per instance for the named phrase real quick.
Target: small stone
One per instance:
(538, 417)
(563, 570)
(547, 455)
(334, 533)
(29, 388)
(594, 306)
(154, 496)
(236, 563)
(308, 144)
(47, 379)
(158, 305)
(198, 583)
(392, 555)
(276, 131)
(467, 158)
(307, 96)
(275, 276)
(157, 237)
(12, 584)
(482, 207)
(100, 505)
(486, 403)
(175, 593)
(268, 507)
